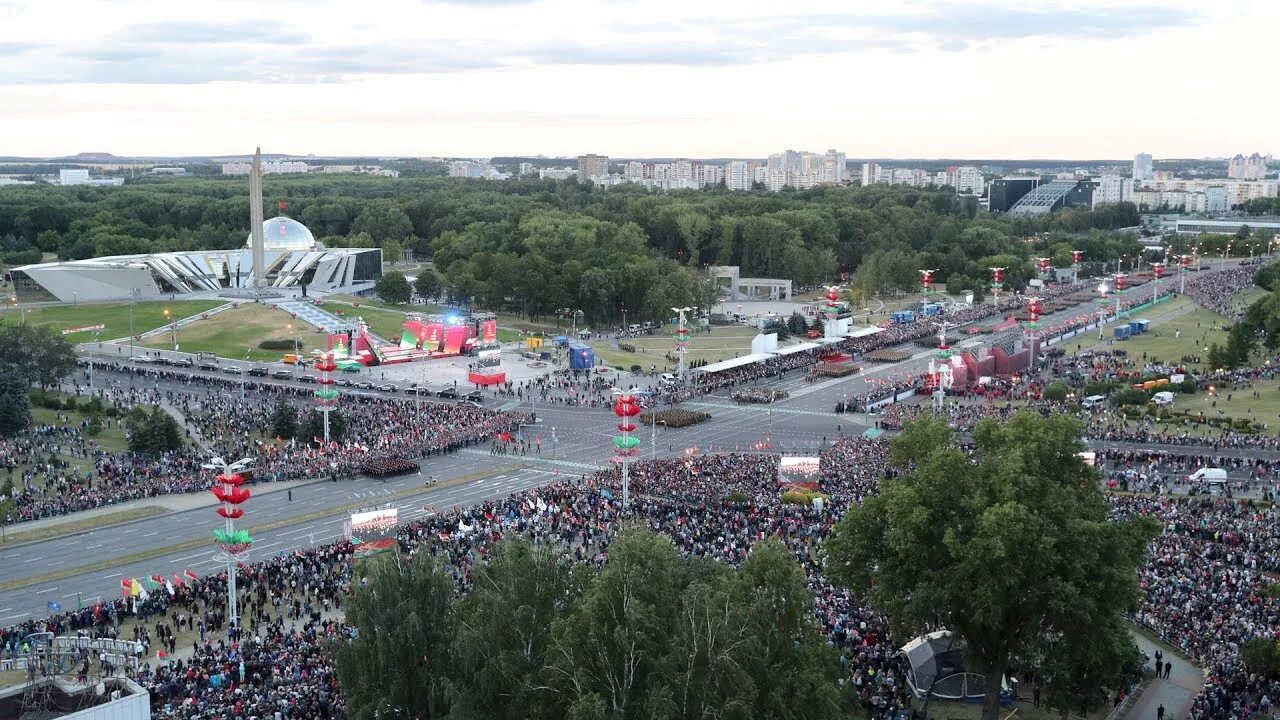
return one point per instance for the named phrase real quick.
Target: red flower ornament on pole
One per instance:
(235, 544)
(625, 445)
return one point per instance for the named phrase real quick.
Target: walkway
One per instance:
(1175, 694)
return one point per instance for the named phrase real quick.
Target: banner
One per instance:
(86, 328)
(489, 331)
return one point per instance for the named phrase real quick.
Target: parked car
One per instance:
(448, 393)
(364, 385)
(471, 403)
(343, 382)
(306, 378)
(233, 369)
(183, 362)
(206, 365)
(282, 374)
(475, 396)
(258, 371)
(387, 387)
(140, 359)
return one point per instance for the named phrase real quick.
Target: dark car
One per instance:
(364, 385)
(183, 362)
(258, 371)
(448, 393)
(475, 396)
(206, 365)
(306, 378)
(233, 369)
(282, 374)
(343, 382)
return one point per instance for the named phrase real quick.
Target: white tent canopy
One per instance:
(735, 362)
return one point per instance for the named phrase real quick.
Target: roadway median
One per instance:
(194, 543)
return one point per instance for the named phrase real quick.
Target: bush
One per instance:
(1261, 655)
(626, 347)
(1055, 392)
(1187, 386)
(69, 404)
(802, 497)
(93, 428)
(52, 402)
(635, 368)
(92, 407)
(1100, 388)
(1131, 396)
(278, 345)
(37, 397)
(737, 496)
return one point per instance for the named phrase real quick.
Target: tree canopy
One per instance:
(648, 635)
(1009, 548)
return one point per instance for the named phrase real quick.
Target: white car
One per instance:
(140, 359)
(1163, 398)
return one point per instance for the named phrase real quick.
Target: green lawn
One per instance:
(115, 316)
(232, 333)
(721, 343)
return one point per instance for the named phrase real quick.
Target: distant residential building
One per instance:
(475, 169)
(737, 175)
(167, 171)
(362, 170)
(712, 175)
(969, 181)
(73, 176)
(1234, 192)
(1253, 167)
(526, 168)
(270, 167)
(592, 166)
(869, 172)
(1142, 167)
(1215, 200)
(556, 173)
(833, 167)
(1113, 189)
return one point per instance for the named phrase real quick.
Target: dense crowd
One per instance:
(378, 429)
(1218, 291)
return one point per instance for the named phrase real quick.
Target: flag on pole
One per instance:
(169, 587)
(135, 587)
(190, 574)
(177, 579)
(79, 602)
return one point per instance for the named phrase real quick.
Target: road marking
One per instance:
(34, 559)
(15, 617)
(193, 557)
(299, 531)
(108, 577)
(157, 532)
(91, 547)
(46, 590)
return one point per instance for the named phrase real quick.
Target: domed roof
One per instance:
(282, 233)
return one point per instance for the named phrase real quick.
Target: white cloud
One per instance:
(662, 77)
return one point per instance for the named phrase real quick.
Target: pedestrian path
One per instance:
(1175, 694)
(509, 406)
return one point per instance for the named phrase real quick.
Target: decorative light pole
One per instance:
(832, 309)
(1042, 267)
(682, 338)
(1157, 269)
(234, 543)
(625, 408)
(1184, 267)
(1102, 307)
(326, 394)
(1119, 290)
(1077, 257)
(1034, 309)
(926, 283)
(997, 284)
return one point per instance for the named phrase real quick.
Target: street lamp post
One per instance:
(234, 544)
(1102, 308)
(173, 328)
(682, 339)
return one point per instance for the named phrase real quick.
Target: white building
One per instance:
(833, 167)
(1253, 167)
(1215, 200)
(1113, 189)
(712, 175)
(1142, 167)
(269, 167)
(293, 257)
(969, 180)
(1237, 192)
(737, 175)
(870, 173)
(526, 168)
(592, 166)
(73, 176)
(556, 173)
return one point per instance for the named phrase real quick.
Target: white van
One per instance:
(1208, 475)
(1093, 401)
(669, 379)
(1163, 398)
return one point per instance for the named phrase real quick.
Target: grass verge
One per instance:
(115, 316)
(74, 526)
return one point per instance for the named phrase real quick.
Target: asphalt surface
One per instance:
(574, 441)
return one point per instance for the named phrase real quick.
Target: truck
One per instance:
(903, 317)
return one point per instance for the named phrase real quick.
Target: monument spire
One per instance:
(255, 221)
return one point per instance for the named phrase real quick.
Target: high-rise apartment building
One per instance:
(870, 171)
(969, 180)
(526, 168)
(1113, 189)
(737, 175)
(1143, 167)
(833, 167)
(592, 166)
(73, 176)
(1253, 167)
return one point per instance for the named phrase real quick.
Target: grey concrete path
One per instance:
(1175, 694)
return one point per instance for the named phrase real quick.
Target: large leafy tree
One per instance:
(1009, 548)
(15, 402)
(393, 288)
(503, 630)
(398, 663)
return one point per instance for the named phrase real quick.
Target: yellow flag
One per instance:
(135, 587)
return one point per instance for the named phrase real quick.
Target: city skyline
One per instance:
(559, 78)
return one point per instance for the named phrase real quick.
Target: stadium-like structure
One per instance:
(293, 257)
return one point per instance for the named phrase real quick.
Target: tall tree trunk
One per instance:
(995, 676)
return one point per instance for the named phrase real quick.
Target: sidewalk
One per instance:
(1175, 694)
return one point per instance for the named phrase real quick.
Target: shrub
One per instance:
(1100, 388)
(1261, 655)
(37, 398)
(92, 407)
(626, 347)
(52, 402)
(1187, 386)
(1131, 396)
(635, 368)
(93, 428)
(1055, 392)
(737, 496)
(69, 404)
(802, 497)
(278, 345)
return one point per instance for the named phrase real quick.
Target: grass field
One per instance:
(146, 316)
(232, 333)
(722, 343)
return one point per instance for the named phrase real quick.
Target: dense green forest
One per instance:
(537, 245)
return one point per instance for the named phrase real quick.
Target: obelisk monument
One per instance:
(255, 221)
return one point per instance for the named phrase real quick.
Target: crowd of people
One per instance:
(47, 459)
(1218, 291)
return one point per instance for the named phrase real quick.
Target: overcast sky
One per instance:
(700, 78)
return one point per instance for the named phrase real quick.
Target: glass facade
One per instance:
(368, 266)
(282, 233)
